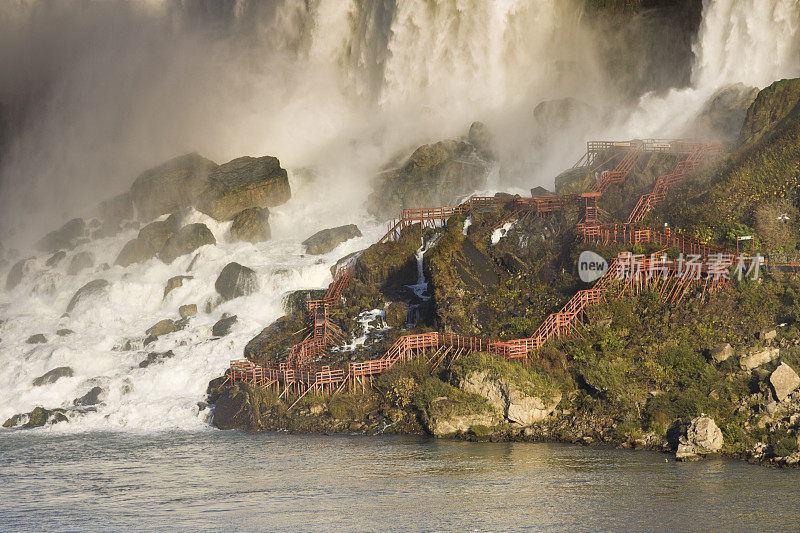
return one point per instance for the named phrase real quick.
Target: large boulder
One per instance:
(80, 261)
(66, 237)
(90, 398)
(243, 406)
(434, 174)
(223, 326)
(326, 240)
(135, 251)
(174, 282)
(702, 437)
(186, 240)
(784, 381)
(171, 186)
(92, 288)
(54, 375)
(243, 183)
(722, 115)
(18, 271)
(114, 210)
(446, 417)
(236, 280)
(757, 357)
(157, 233)
(251, 225)
(573, 181)
(721, 352)
(162, 327)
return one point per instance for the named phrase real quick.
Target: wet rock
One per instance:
(54, 375)
(187, 310)
(162, 327)
(90, 398)
(223, 326)
(171, 186)
(156, 357)
(186, 240)
(236, 280)
(46, 282)
(433, 174)
(80, 261)
(757, 357)
(135, 251)
(36, 339)
(174, 282)
(251, 225)
(92, 288)
(158, 233)
(701, 438)
(18, 271)
(721, 352)
(326, 240)
(784, 381)
(66, 237)
(64, 332)
(37, 418)
(56, 258)
(114, 210)
(722, 115)
(243, 406)
(573, 181)
(481, 138)
(244, 183)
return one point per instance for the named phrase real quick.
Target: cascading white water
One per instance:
(333, 86)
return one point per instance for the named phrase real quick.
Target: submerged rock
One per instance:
(236, 280)
(185, 241)
(158, 233)
(244, 183)
(156, 357)
(90, 398)
(37, 418)
(64, 332)
(251, 225)
(171, 186)
(223, 326)
(326, 240)
(92, 288)
(38, 338)
(54, 375)
(162, 327)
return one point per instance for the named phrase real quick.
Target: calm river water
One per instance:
(212, 480)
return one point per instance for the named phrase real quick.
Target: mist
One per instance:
(96, 92)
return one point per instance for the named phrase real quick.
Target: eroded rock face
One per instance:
(185, 241)
(702, 437)
(54, 375)
(757, 357)
(443, 418)
(326, 240)
(509, 399)
(66, 237)
(92, 288)
(784, 381)
(236, 280)
(723, 113)
(251, 225)
(242, 406)
(171, 186)
(770, 106)
(243, 183)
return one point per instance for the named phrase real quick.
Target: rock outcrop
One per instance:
(37, 418)
(721, 352)
(509, 399)
(244, 183)
(80, 261)
(223, 326)
(326, 240)
(162, 327)
(114, 210)
(251, 225)
(243, 406)
(236, 280)
(18, 271)
(90, 398)
(446, 418)
(186, 240)
(757, 357)
(722, 115)
(171, 186)
(702, 437)
(769, 108)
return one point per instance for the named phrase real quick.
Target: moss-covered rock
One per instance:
(771, 106)
(243, 406)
